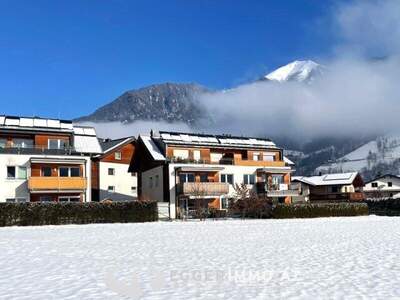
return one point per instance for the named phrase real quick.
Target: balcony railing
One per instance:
(57, 183)
(200, 189)
(278, 190)
(227, 161)
(36, 150)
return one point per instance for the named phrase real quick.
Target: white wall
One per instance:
(122, 180)
(18, 188)
(154, 192)
(13, 188)
(384, 183)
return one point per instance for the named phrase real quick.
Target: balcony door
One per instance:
(186, 177)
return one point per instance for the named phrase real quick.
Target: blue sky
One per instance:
(66, 58)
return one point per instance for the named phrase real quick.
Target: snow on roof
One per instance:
(215, 140)
(87, 144)
(328, 179)
(109, 145)
(35, 123)
(152, 147)
(288, 161)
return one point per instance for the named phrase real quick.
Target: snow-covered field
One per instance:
(352, 258)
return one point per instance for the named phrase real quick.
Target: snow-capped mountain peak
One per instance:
(299, 70)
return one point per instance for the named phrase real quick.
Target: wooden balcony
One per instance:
(202, 189)
(57, 183)
(356, 196)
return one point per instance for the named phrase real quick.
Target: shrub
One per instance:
(26, 214)
(248, 204)
(282, 211)
(384, 207)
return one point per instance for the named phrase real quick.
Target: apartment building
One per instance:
(330, 187)
(111, 179)
(179, 168)
(45, 160)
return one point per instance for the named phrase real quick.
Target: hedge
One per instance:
(386, 207)
(27, 214)
(283, 211)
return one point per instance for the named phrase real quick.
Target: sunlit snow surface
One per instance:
(325, 258)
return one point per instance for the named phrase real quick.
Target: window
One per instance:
(22, 143)
(374, 184)
(133, 174)
(249, 178)
(196, 155)
(46, 171)
(22, 173)
(118, 155)
(203, 178)
(186, 177)
(268, 156)
(183, 154)
(256, 156)
(215, 157)
(57, 143)
(224, 203)
(16, 172)
(277, 179)
(228, 178)
(133, 189)
(3, 143)
(390, 184)
(64, 172)
(69, 199)
(69, 171)
(334, 189)
(16, 200)
(10, 172)
(111, 189)
(75, 172)
(46, 199)
(111, 171)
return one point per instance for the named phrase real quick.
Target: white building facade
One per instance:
(45, 160)
(182, 168)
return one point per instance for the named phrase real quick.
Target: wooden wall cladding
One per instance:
(127, 152)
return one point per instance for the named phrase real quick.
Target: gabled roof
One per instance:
(152, 148)
(382, 176)
(181, 138)
(328, 179)
(108, 145)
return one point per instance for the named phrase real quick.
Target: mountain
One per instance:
(170, 102)
(180, 102)
(299, 71)
(380, 155)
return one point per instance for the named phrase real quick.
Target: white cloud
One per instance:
(369, 26)
(116, 130)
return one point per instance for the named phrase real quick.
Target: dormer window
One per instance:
(118, 155)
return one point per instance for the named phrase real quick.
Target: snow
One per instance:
(347, 258)
(152, 148)
(385, 148)
(300, 70)
(330, 179)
